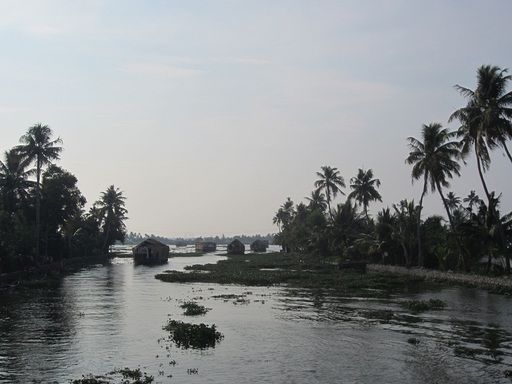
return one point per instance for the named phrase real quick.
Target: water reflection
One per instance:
(108, 317)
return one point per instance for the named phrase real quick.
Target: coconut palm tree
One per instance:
(14, 183)
(485, 125)
(346, 226)
(452, 201)
(487, 116)
(331, 183)
(364, 189)
(112, 211)
(282, 219)
(403, 228)
(283, 214)
(38, 147)
(433, 158)
(472, 200)
(317, 200)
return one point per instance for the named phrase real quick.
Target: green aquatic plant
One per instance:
(193, 309)
(274, 269)
(124, 375)
(197, 336)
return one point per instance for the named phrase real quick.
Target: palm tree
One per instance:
(403, 229)
(452, 201)
(282, 219)
(14, 183)
(112, 211)
(472, 200)
(317, 200)
(487, 116)
(331, 183)
(433, 158)
(38, 147)
(346, 226)
(364, 189)
(485, 125)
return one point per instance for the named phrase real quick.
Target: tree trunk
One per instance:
(504, 144)
(493, 212)
(418, 219)
(450, 219)
(38, 206)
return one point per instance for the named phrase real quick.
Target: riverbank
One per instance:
(13, 279)
(501, 284)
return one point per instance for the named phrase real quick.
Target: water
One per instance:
(107, 317)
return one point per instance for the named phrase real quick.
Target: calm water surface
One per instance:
(107, 317)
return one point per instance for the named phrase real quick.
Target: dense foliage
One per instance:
(475, 233)
(44, 220)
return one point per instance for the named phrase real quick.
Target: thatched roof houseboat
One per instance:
(259, 245)
(206, 246)
(236, 248)
(150, 251)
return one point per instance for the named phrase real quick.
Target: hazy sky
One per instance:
(209, 114)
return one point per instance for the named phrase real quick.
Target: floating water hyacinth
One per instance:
(198, 336)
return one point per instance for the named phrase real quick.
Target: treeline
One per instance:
(135, 238)
(42, 216)
(475, 231)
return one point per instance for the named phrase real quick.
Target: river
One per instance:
(111, 316)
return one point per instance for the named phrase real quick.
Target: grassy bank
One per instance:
(271, 269)
(494, 284)
(305, 271)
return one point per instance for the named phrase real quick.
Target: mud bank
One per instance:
(502, 285)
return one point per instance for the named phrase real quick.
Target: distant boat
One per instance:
(206, 246)
(150, 252)
(259, 246)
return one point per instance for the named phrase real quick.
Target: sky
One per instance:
(207, 115)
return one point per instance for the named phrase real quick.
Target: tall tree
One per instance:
(403, 229)
(331, 183)
(346, 225)
(112, 212)
(61, 202)
(37, 146)
(487, 116)
(364, 189)
(14, 183)
(433, 157)
(485, 125)
(317, 200)
(452, 201)
(472, 200)
(282, 219)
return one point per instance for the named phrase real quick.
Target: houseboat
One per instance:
(206, 246)
(150, 252)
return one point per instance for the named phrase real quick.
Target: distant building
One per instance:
(206, 246)
(150, 251)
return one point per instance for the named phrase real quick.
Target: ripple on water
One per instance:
(111, 316)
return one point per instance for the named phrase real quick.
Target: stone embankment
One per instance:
(501, 284)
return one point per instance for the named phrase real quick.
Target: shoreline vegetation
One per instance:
(276, 269)
(493, 284)
(307, 271)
